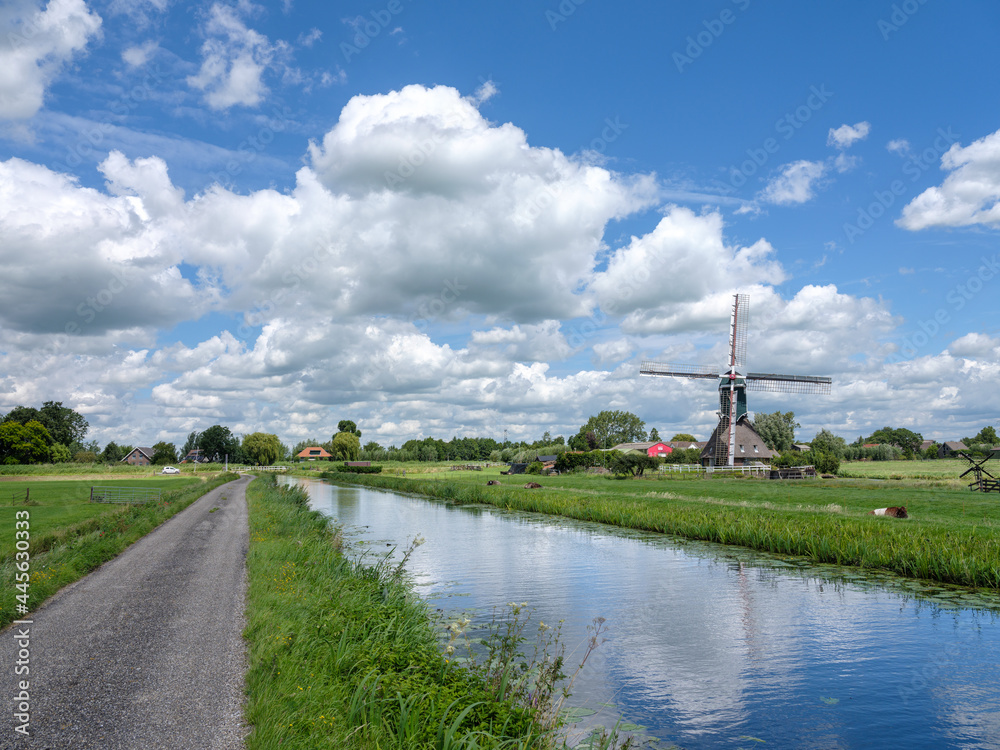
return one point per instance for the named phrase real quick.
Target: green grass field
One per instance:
(945, 469)
(57, 504)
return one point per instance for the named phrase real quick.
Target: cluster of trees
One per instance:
(983, 442)
(608, 429)
(51, 433)
(55, 434)
(602, 431)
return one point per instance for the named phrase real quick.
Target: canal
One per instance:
(707, 646)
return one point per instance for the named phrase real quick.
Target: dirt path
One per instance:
(147, 651)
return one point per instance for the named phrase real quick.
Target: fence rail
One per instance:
(759, 470)
(124, 494)
(258, 468)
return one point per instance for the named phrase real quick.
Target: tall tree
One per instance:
(777, 429)
(906, 439)
(261, 448)
(217, 442)
(346, 446)
(346, 425)
(164, 453)
(24, 443)
(654, 435)
(613, 427)
(986, 436)
(113, 453)
(826, 442)
(683, 437)
(62, 424)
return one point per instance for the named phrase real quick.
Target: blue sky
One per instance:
(454, 219)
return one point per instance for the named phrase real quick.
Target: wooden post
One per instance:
(91, 494)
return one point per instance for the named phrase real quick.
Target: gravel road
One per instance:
(146, 652)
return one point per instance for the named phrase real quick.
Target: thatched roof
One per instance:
(750, 446)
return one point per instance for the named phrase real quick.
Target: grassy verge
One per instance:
(63, 552)
(343, 655)
(953, 536)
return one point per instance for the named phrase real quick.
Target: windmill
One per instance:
(735, 381)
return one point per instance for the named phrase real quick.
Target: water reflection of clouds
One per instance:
(706, 643)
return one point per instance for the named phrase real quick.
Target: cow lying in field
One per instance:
(891, 512)
(493, 481)
(532, 486)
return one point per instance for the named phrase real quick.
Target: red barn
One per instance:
(650, 449)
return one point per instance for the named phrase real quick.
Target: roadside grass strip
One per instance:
(63, 553)
(343, 654)
(951, 537)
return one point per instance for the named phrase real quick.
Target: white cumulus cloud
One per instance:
(969, 195)
(847, 135)
(234, 60)
(35, 44)
(795, 183)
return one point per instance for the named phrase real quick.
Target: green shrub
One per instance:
(535, 467)
(356, 470)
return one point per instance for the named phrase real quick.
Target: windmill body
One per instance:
(734, 382)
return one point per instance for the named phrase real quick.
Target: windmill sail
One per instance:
(658, 370)
(739, 322)
(765, 381)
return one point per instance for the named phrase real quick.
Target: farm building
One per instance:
(139, 457)
(950, 447)
(650, 449)
(314, 453)
(750, 446)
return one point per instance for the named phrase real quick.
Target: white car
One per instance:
(170, 470)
